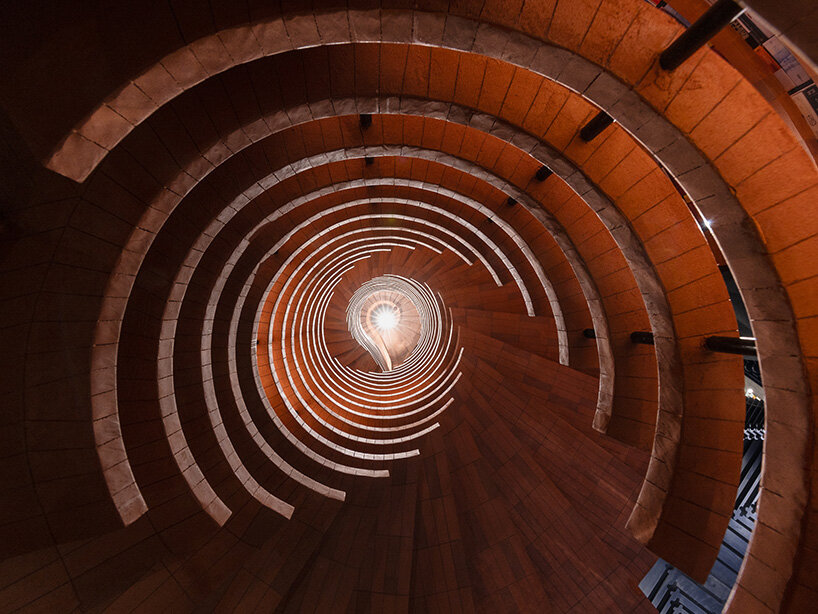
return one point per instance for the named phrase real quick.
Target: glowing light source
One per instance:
(385, 318)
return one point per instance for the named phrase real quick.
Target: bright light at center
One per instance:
(386, 319)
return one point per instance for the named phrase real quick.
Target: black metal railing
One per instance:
(669, 589)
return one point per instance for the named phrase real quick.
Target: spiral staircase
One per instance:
(330, 307)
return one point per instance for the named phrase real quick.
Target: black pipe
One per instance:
(366, 120)
(589, 333)
(702, 30)
(594, 128)
(642, 337)
(543, 173)
(731, 345)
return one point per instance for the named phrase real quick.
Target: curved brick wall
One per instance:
(192, 202)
